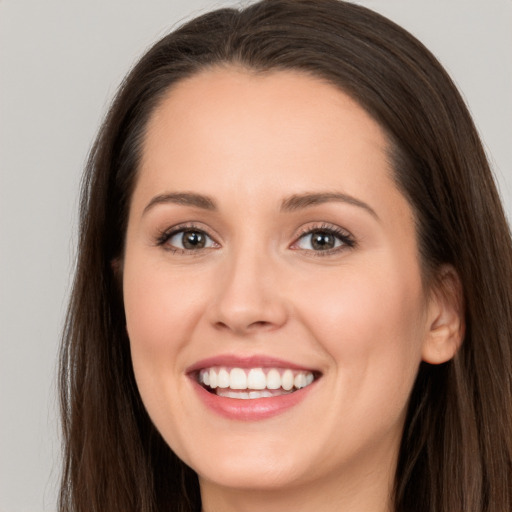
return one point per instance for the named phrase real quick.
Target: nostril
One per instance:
(221, 326)
(253, 326)
(259, 324)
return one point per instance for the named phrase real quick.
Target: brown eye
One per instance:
(321, 241)
(189, 240)
(324, 240)
(193, 240)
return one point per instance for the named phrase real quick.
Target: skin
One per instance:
(360, 314)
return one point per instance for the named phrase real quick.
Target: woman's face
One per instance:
(268, 247)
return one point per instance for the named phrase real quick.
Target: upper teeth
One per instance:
(255, 378)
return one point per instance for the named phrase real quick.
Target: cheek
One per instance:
(369, 321)
(372, 330)
(156, 301)
(161, 311)
(160, 315)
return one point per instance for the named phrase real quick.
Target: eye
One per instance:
(190, 240)
(324, 240)
(186, 239)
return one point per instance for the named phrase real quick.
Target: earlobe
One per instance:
(116, 265)
(446, 324)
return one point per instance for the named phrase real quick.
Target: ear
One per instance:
(446, 324)
(116, 264)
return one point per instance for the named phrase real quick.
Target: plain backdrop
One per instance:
(60, 64)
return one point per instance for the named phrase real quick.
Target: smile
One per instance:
(251, 388)
(253, 383)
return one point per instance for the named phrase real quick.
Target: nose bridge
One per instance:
(249, 297)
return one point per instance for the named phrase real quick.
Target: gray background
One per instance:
(60, 64)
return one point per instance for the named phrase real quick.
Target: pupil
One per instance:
(193, 240)
(322, 241)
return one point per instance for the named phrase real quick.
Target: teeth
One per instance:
(273, 379)
(287, 380)
(245, 395)
(299, 381)
(256, 379)
(223, 379)
(237, 379)
(212, 378)
(260, 394)
(260, 383)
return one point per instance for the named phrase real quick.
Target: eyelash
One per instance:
(346, 239)
(164, 236)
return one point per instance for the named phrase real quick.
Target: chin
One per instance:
(249, 464)
(252, 475)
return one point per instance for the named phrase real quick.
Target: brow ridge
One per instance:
(309, 199)
(182, 198)
(290, 204)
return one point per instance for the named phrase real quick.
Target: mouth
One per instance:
(253, 383)
(251, 388)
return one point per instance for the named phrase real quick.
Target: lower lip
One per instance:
(250, 409)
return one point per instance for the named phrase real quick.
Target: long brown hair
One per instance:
(456, 451)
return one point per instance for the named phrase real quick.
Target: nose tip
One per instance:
(242, 323)
(249, 300)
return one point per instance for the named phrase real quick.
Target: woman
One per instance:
(293, 288)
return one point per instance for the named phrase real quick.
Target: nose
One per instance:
(249, 298)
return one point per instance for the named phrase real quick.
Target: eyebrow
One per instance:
(290, 204)
(307, 200)
(182, 198)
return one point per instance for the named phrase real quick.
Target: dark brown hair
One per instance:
(456, 451)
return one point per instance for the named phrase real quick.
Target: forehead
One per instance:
(261, 101)
(285, 122)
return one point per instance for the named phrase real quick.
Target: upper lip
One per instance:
(252, 361)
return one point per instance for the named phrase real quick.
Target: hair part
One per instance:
(456, 451)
